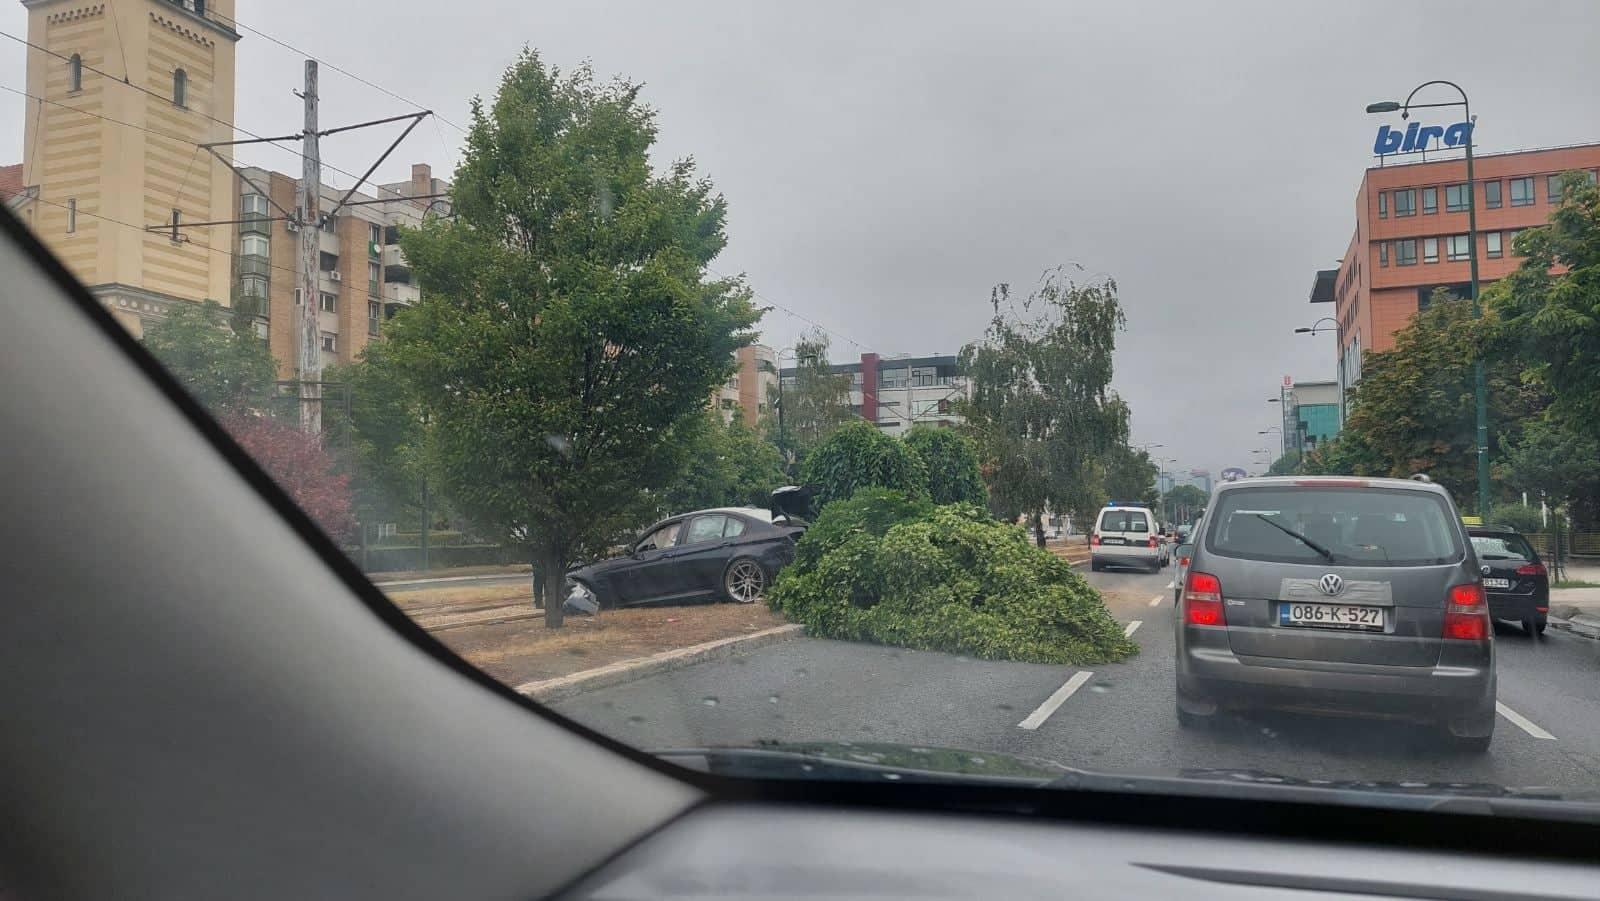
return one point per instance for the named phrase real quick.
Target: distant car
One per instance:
(1352, 596)
(1513, 576)
(729, 553)
(1181, 555)
(1126, 536)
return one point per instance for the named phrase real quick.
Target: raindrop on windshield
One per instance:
(709, 701)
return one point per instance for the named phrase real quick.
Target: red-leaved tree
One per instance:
(300, 466)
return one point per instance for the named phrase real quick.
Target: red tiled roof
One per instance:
(10, 181)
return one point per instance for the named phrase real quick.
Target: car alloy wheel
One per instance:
(745, 581)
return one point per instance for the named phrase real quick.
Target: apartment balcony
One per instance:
(256, 224)
(401, 293)
(254, 264)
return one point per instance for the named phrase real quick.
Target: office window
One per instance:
(1458, 248)
(1405, 202)
(1491, 243)
(377, 234)
(1405, 252)
(1511, 240)
(373, 273)
(328, 224)
(374, 316)
(330, 302)
(72, 215)
(328, 343)
(1430, 250)
(180, 88)
(253, 245)
(1430, 200)
(1455, 198)
(1491, 194)
(74, 74)
(1522, 191)
(1383, 204)
(1553, 188)
(253, 205)
(1383, 253)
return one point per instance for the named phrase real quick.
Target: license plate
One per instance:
(1496, 583)
(1113, 541)
(1331, 616)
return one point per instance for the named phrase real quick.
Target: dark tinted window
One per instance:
(1365, 526)
(1124, 521)
(1502, 547)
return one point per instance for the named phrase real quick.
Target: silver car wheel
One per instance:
(745, 581)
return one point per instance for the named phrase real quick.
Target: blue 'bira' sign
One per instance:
(1416, 137)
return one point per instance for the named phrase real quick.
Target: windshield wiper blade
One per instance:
(1297, 536)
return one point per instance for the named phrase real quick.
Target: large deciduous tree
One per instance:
(1131, 476)
(729, 465)
(952, 465)
(815, 403)
(1042, 410)
(568, 332)
(224, 368)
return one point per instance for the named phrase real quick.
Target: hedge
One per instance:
(858, 455)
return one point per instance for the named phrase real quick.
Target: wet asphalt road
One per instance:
(1117, 718)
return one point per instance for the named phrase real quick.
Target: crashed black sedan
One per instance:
(729, 553)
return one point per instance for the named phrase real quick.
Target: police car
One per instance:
(1126, 535)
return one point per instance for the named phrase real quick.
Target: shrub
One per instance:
(870, 511)
(856, 456)
(952, 464)
(946, 579)
(1523, 518)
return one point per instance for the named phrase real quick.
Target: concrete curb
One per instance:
(628, 670)
(1582, 626)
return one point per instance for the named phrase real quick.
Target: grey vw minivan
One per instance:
(1338, 595)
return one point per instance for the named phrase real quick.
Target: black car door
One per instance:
(646, 575)
(709, 542)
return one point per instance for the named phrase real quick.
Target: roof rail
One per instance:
(1421, 477)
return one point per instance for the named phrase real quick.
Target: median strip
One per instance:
(1037, 718)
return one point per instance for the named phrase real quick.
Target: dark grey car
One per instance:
(1353, 596)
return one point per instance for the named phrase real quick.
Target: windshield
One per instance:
(1369, 527)
(747, 376)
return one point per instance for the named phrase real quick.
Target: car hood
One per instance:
(598, 567)
(880, 762)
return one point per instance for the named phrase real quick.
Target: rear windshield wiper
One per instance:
(1296, 535)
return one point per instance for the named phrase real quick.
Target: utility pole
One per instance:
(310, 368)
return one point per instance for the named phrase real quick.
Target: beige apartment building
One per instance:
(745, 393)
(362, 278)
(120, 95)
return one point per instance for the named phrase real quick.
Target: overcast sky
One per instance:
(885, 166)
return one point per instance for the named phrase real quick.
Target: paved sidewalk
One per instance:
(1577, 610)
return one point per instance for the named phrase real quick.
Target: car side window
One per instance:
(734, 528)
(660, 538)
(705, 528)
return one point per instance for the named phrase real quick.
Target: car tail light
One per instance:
(1532, 569)
(1183, 561)
(1331, 483)
(1152, 542)
(1202, 600)
(1094, 539)
(1466, 615)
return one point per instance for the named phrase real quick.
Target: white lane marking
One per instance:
(1156, 601)
(1522, 722)
(1127, 631)
(1173, 584)
(1037, 718)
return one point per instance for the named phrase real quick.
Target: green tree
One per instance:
(389, 434)
(807, 412)
(1413, 408)
(1550, 321)
(1557, 462)
(858, 455)
(225, 369)
(568, 336)
(1183, 502)
(952, 465)
(1286, 465)
(729, 465)
(1131, 477)
(1042, 410)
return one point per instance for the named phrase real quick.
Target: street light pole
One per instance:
(1480, 387)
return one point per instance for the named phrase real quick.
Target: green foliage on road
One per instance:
(568, 335)
(859, 455)
(226, 369)
(943, 579)
(952, 464)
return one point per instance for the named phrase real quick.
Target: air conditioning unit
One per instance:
(336, 275)
(290, 226)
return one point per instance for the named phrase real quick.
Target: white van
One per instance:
(1126, 536)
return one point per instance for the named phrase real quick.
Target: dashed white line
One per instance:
(1522, 722)
(1132, 627)
(1037, 718)
(1173, 584)
(1156, 601)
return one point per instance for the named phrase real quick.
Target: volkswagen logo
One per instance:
(1330, 584)
(1484, 569)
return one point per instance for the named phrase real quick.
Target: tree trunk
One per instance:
(1038, 529)
(551, 570)
(538, 585)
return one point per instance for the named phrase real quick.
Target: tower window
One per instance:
(72, 215)
(180, 88)
(75, 74)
